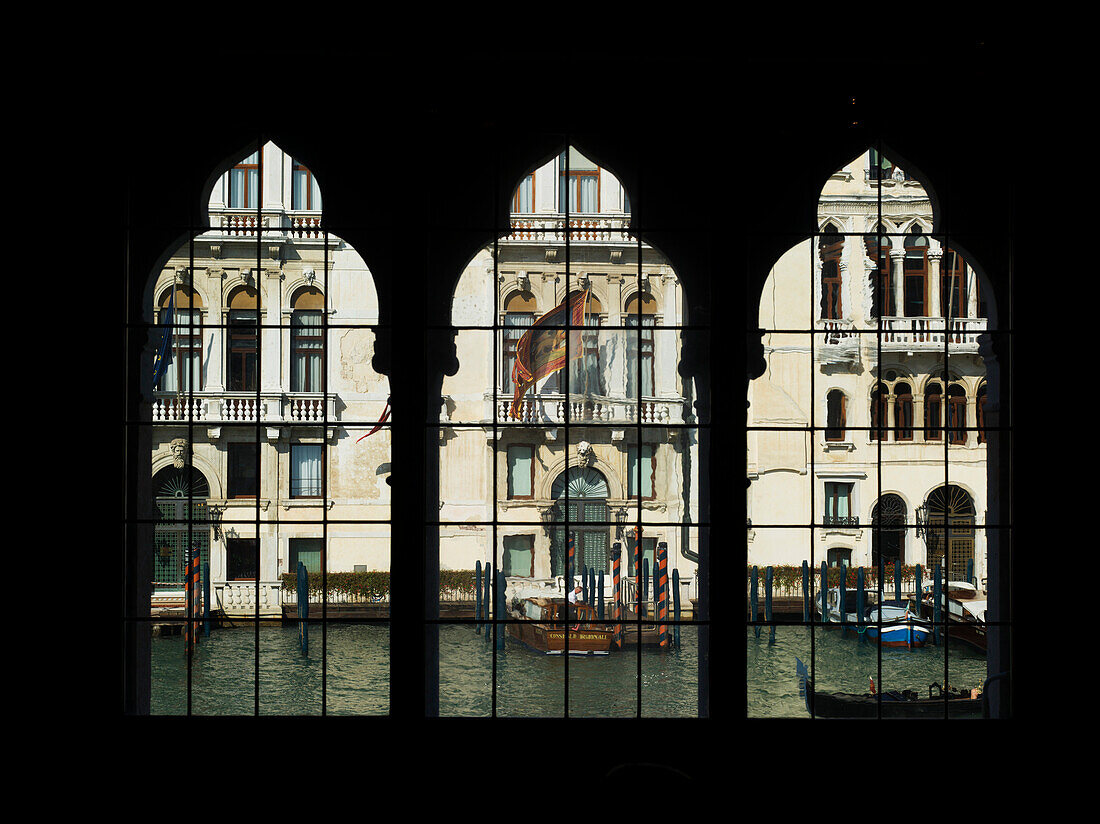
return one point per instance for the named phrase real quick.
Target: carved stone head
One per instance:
(178, 446)
(586, 453)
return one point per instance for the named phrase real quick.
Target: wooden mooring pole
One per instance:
(752, 601)
(477, 597)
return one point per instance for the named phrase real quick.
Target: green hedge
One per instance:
(375, 585)
(790, 577)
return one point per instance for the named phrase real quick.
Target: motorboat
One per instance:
(966, 612)
(542, 624)
(896, 623)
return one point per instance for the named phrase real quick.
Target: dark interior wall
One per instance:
(724, 158)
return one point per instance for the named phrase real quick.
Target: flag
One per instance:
(382, 420)
(160, 361)
(542, 350)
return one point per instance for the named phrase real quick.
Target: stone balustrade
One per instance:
(208, 407)
(555, 409)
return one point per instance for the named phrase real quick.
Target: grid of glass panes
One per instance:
(254, 420)
(549, 495)
(885, 481)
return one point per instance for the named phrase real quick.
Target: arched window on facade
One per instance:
(244, 183)
(587, 492)
(933, 411)
(519, 313)
(183, 370)
(882, 284)
(181, 495)
(953, 295)
(586, 376)
(640, 313)
(242, 364)
(306, 340)
(888, 530)
(830, 248)
(949, 531)
(836, 405)
(903, 412)
(915, 272)
(879, 407)
(956, 414)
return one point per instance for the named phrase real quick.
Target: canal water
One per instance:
(844, 662)
(224, 667)
(223, 677)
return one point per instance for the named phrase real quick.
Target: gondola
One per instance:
(890, 704)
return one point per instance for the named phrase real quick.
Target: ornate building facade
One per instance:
(868, 420)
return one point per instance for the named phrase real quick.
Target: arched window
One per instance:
(242, 363)
(585, 373)
(879, 407)
(830, 247)
(640, 314)
(952, 285)
(586, 492)
(956, 414)
(949, 531)
(519, 314)
(903, 412)
(835, 415)
(306, 340)
(933, 411)
(183, 371)
(181, 495)
(914, 273)
(882, 284)
(888, 530)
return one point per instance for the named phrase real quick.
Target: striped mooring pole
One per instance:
(638, 571)
(192, 596)
(488, 580)
(660, 591)
(569, 564)
(617, 602)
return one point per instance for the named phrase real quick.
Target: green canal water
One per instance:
(231, 675)
(223, 678)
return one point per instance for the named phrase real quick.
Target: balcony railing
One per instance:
(931, 333)
(209, 407)
(554, 409)
(596, 229)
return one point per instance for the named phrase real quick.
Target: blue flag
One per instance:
(160, 362)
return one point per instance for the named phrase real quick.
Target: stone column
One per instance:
(935, 256)
(271, 357)
(214, 344)
(897, 275)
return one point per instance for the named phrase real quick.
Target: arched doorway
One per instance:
(949, 531)
(586, 491)
(183, 523)
(888, 530)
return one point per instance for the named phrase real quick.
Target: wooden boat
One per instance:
(890, 704)
(899, 627)
(900, 624)
(539, 623)
(965, 608)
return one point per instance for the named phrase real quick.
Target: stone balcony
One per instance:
(842, 342)
(582, 228)
(554, 409)
(265, 407)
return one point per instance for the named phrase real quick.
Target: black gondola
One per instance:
(891, 704)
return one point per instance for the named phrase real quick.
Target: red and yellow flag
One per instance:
(542, 349)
